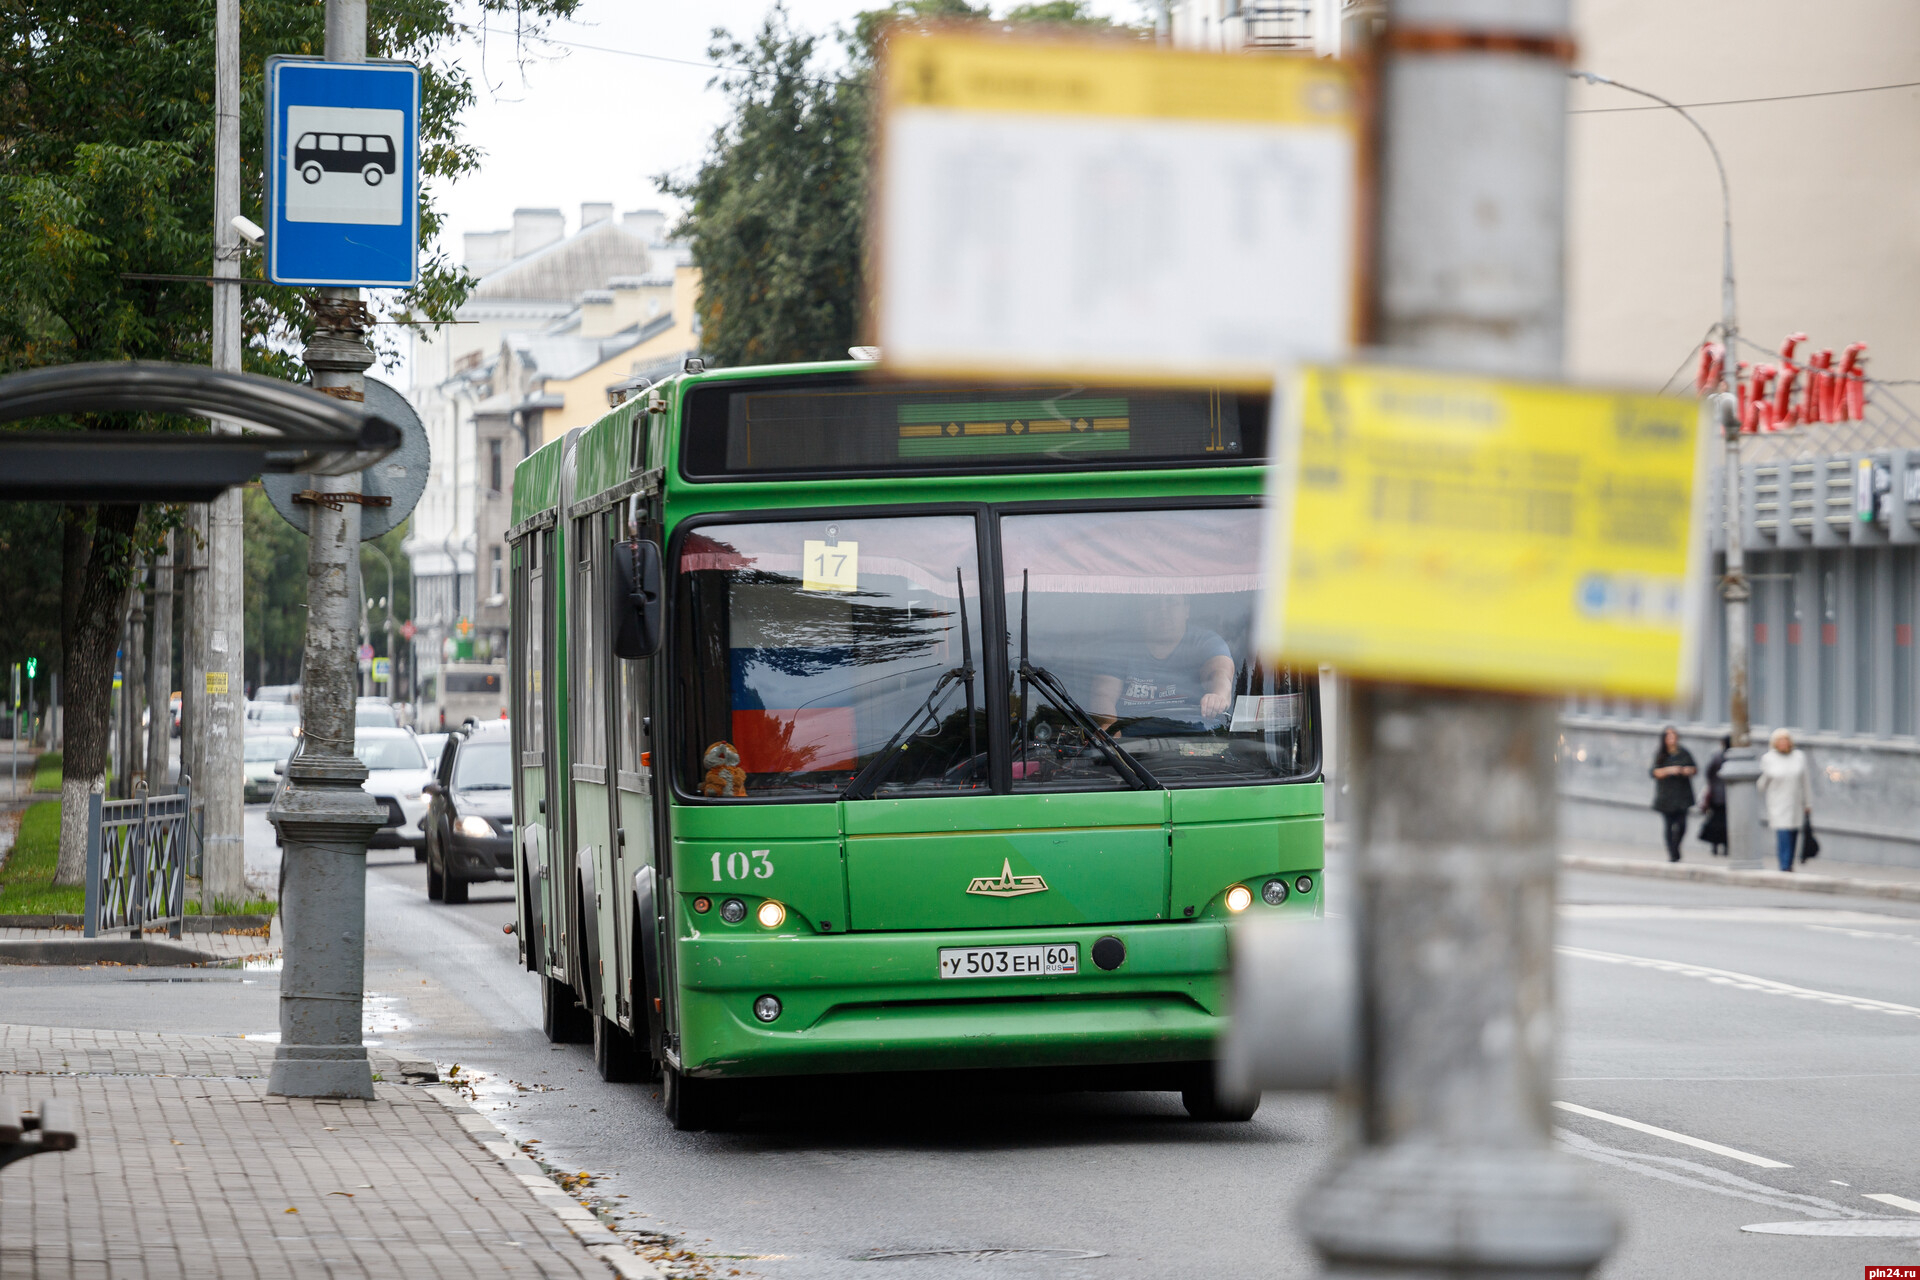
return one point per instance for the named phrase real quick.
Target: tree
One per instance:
(776, 213)
(106, 137)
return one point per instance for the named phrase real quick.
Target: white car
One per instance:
(396, 771)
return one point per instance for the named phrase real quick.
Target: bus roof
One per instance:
(607, 455)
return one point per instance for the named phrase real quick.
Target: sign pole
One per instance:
(222, 631)
(323, 815)
(1454, 841)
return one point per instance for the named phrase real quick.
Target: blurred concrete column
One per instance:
(1453, 814)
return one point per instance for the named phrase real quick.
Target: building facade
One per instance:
(1823, 246)
(556, 322)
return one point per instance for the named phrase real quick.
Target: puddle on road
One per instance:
(379, 1016)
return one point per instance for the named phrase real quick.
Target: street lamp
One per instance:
(1741, 768)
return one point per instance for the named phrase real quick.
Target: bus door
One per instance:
(539, 806)
(635, 888)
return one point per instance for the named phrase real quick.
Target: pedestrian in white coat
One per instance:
(1787, 794)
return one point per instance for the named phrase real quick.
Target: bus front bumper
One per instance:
(875, 1002)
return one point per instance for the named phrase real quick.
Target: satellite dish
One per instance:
(401, 475)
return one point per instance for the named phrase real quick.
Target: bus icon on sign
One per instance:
(368, 154)
(342, 165)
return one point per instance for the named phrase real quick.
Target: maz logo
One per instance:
(1007, 884)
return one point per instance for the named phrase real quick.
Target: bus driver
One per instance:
(1178, 675)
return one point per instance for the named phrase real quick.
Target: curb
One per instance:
(102, 950)
(247, 924)
(600, 1242)
(1800, 882)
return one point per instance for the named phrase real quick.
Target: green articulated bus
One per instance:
(880, 726)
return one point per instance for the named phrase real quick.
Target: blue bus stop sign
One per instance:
(343, 173)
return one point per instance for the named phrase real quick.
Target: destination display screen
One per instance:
(845, 426)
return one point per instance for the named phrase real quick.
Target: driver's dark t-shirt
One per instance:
(1167, 688)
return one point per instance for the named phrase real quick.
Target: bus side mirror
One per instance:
(636, 599)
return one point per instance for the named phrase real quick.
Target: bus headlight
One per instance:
(771, 914)
(1239, 898)
(1274, 892)
(766, 1008)
(1303, 885)
(733, 911)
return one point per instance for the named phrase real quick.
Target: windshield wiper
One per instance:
(863, 782)
(1050, 685)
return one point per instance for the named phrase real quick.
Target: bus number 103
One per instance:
(757, 865)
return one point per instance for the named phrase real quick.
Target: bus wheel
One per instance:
(617, 1055)
(1204, 1100)
(372, 174)
(564, 1021)
(310, 172)
(693, 1104)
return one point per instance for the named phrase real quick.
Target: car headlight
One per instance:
(472, 825)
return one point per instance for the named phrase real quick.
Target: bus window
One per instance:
(807, 647)
(1146, 619)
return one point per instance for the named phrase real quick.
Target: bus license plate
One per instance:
(1044, 961)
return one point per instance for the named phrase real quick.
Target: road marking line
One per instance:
(1746, 981)
(1671, 1136)
(1898, 1202)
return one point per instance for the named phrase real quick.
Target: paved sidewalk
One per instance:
(1822, 875)
(186, 1168)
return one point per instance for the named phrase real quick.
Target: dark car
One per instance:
(469, 822)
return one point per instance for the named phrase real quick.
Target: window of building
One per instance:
(1828, 647)
(1866, 635)
(494, 464)
(497, 575)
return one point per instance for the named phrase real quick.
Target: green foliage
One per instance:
(277, 589)
(26, 878)
(29, 590)
(776, 213)
(108, 117)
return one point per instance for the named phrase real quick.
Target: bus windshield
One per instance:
(825, 658)
(1143, 621)
(819, 644)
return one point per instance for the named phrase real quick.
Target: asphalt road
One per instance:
(1782, 1030)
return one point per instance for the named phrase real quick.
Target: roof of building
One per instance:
(567, 268)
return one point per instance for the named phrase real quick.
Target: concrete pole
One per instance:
(324, 817)
(219, 781)
(160, 673)
(1452, 1173)
(135, 679)
(192, 561)
(1741, 770)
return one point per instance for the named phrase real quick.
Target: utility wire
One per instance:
(1736, 102)
(661, 57)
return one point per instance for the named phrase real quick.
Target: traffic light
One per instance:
(33, 665)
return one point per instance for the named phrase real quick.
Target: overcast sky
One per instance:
(569, 125)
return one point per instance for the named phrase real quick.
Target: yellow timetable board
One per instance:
(1458, 530)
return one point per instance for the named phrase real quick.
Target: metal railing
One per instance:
(139, 854)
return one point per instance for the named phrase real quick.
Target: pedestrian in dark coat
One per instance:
(1673, 770)
(1713, 802)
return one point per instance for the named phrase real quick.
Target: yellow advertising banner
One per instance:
(1459, 530)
